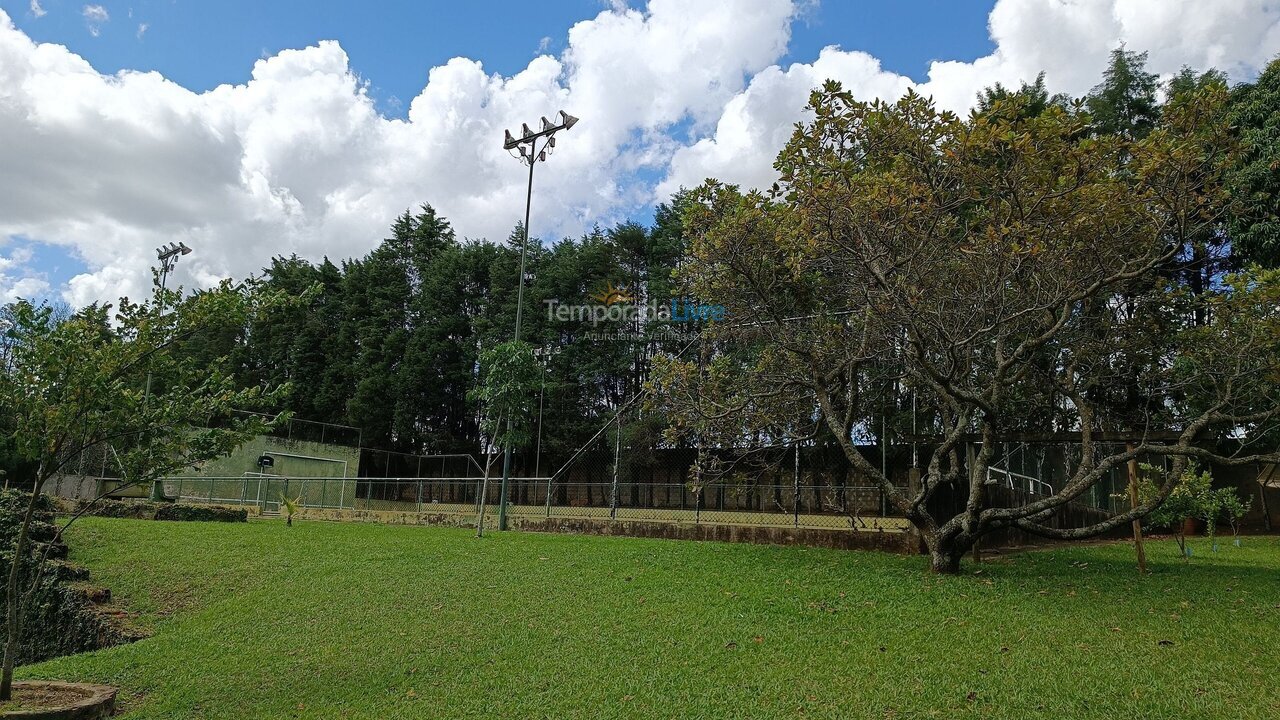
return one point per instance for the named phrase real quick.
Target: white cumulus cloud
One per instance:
(298, 159)
(15, 280)
(1068, 39)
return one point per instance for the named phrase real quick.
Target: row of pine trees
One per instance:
(390, 342)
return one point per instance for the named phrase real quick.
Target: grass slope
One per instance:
(368, 621)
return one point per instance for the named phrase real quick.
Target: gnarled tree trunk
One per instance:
(946, 547)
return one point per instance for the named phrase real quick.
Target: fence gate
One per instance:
(269, 489)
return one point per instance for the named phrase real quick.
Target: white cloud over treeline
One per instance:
(298, 159)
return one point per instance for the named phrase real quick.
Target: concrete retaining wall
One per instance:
(884, 540)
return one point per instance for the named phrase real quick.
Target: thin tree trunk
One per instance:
(13, 625)
(1137, 522)
(484, 490)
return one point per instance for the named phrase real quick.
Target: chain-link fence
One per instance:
(622, 475)
(769, 487)
(804, 506)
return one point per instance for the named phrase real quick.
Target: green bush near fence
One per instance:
(135, 510)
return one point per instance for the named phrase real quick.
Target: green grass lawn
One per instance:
(366, 621)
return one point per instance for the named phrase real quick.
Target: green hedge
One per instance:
(138, 510)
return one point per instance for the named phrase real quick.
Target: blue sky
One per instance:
(392, 45)
(311, 147)
(201, 45)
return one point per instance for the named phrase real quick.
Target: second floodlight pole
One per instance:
(506, 447)
(546, 132)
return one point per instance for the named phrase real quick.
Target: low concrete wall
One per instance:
(894, 541)
(387, 517)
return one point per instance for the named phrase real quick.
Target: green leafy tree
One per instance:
(1254, 179)
(76, 384)
(982, 264)
(510, 378)
(1029, 99)
(1125, 102)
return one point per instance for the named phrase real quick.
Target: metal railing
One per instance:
(1032, 484)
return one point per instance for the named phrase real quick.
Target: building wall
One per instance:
(223, 479)
(293, 458)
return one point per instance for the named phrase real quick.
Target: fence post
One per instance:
(548, 496)
(419, 484)
(324, 491)
(210, 488)
(617, 448)
(884, 464)
(795, 489)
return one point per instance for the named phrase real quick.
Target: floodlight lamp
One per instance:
(546, 124)
(524, 127)
(567, 120)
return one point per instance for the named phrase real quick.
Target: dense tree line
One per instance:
(390, 342)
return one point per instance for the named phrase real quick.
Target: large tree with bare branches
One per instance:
(1009, 270)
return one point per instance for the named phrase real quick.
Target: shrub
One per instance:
(200, 513)
(1189, 499)
(1192, 497)
(166, 511)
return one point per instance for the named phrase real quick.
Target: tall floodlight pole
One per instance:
(530, 148)
(168, 256)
